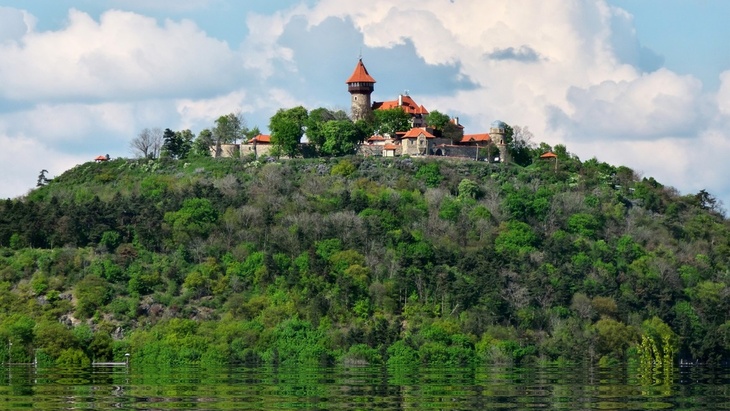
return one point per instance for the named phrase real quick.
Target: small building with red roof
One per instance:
(416, 142)
(406, 103)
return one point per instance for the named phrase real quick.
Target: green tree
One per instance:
(42, 180)
(91, 293)
(468, 189)
(171, 144)
(391, 120)
(185, 140)
(228, 129)
(341, 137)
(519, 145)
(195, 219)
(203, 143)
(437, 120)
(287, 129)
(315, 123)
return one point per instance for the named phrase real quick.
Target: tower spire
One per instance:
(360, 85)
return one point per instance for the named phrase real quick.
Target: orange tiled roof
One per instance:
(360, 75)
(476, 138)
(376, 138)
(390, 147)
(415, 132)
(407, 104)
(100, 158)
(549, 154)
(261, 139)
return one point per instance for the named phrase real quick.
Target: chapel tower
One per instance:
(360, 85)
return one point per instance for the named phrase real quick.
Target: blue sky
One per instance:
(639, 83)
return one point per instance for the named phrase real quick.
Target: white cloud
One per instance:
(124, 55)
(28, 157)
(193, 112)
(166, 5)
(58, 123)
(14, 24)
(723, 94)
(651, 106)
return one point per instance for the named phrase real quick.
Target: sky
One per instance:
(645, 84)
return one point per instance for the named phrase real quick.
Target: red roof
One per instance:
(476, 138)
(360, 75)
(406, 103)
(549, 154)
(261, 139)
(390, 147)
(415, 132)
(101, 158)
(376, 138)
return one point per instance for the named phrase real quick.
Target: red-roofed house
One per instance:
(415, 142)
(389, 150)
(405, 102)
(258, 146)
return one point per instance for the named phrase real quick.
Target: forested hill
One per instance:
(362, 260)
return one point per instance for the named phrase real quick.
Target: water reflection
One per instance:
(358, 388)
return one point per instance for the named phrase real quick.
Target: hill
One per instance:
(363, 260)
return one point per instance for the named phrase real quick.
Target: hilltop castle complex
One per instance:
(418, 140)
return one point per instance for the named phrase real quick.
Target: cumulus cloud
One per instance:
(124, 55)
(28, 157)
(651, 106)
(14, 24)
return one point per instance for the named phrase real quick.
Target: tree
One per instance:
(392, 120)
(252, 133)
(315, 123)
(706, 201)
(203, 143)
(186, 142)
(287, 129)
(170, 143)
(228, 129)
(148, 143)
(42, 180)
(519, 144)
(437, 120)
(341, 137)
(452, 132)
(178, 144)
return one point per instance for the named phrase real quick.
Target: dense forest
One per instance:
(355, 260)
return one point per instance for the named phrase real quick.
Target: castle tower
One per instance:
(498, 134)
(360, 85)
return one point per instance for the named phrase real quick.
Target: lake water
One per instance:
(353, 388)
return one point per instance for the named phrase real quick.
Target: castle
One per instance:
(420, 139)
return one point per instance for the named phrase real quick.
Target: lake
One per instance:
(362, 388)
